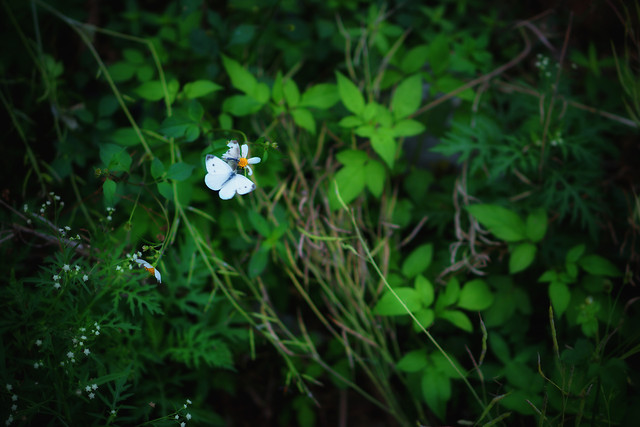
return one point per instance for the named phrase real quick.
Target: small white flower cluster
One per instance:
(79, 343)
(43, 207)
(187, 415)
(110, 211)
(90, 389)
(14, 406)
(67, 270)
(542, 64)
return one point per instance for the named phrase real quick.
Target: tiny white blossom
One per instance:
(85, 278)
(183, 424)
(188, 416)
(70, 355)
(9, 420)
(66, 267)
(14, 397)
(176, 417)
(82, 337)
(25, 207)
(48, 202)
(118, 268)
(66, 227)
(189, 401)
(38, 342)
(151, 269)
(9, 387)
(56, 197)
(56, 277)
(14, 407)
(77, 268)
(56, 285)
(113, 412)
(61, 204)
(91, 395)
(87, 351)
(94, 386)
(87, 388)
(36, 365)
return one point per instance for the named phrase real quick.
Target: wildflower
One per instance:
(77, 268)
(94, 386)
(151, 269)
(56, 277)
(87, 351)
(118, 268)
(85, 278)
(66, 227)
(188, 401)
(38, 342)
(188, 416)
(25, 207)
(70, 355)
(92, 395)
(87, 388)
(56, 285)
(14, 397)
(238, 155)
(9, 420)
(9, 387)
(66, 267)
(183, 424)
(14, 407)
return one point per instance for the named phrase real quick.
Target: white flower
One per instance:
(9, 420)
(87, 351)
(188, 416)
(38, 342)
(56, 277)
(70, 355)
(66, 267)
(94, 386)
(238, 155)
(85, 278)
(189, 401)
(14, 407)
(151, 269)
(56, 285)
(66, 227)
(14, 397)
(77, 268)
(183, 424)
(91, 395)
(25, 207)
(118, 268)
(87, 388)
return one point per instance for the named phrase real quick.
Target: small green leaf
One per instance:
(157, 168)
(389, 305)
(241, 79)
(450, 295)
(261, 93)
(241, 105)
(407, 97)
(351, 182)
(350, 122)
(521, 257)
(408, 128)
(115, 157)
(385, 147)
(151, 90)
(260, 224)
(415, 59)
(165, 189)
(439, 54)
(560, 297)
(548, 276)
(180, 125)
(413, 361)
(200, 88)
(109, 192)
(575, 253)
(425, 318)
(291, 93)
(503, 223)
(352, 158)
(436, 390)
(304, 119)
(122, 71)
(599, 266)
(536, 225)
(350, 95)
(458, 319)
(322, 96)
(376, 176)
(180, 171)
(475, 295)
(258, 263)
(125, 136)
(418, 261)
(425, 290)
(277, 92)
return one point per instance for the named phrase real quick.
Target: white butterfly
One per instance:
(235, 156)
(223, 178)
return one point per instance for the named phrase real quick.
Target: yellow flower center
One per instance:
(151, 270)
(242, 162)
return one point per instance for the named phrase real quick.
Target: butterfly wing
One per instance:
(218, 172)
(236, 184)
(232, 156)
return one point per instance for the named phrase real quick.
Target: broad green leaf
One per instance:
(115, 157)
(165, 189)
(351, 182)
(499, 347)
(151, 90)
(352, 157)
(408, 128)
(122, 71)
(109, 192)
(385, 147)
(475, 295)
(503, 223)
(425, 318)
(226, 121)
(521, 257)
(200, 88)
(241, 105)
(157, 168)
(418, 261)
(436, 390)
(180, 171)
(322, 96)
(277, 92)
(548, 276)
(458, 319)
(303, 118)
(125, 137)
(133, 55)
(415, 59)
(560, 296)
(575, 253)
(350, 95)
(439, 54)
(261, 93)
(425, 290)
(407, 97)
(376, 176)
(258, 263)
(350, 122)
(450, 295)
(259, 223)
(241, 79)
(389, 305)
(291, 93)
(413, 361)
(180, 126)
(536, 225)
(599, 266)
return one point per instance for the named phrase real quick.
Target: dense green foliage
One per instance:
(445, 226)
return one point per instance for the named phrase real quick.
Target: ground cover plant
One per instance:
(319, 213)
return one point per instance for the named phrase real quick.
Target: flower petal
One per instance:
(253, 160)
(245, 150)
(249, 169)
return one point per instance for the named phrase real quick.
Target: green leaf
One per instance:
(125, 137)
(436, 390)
(439, 54)
(425, 290)
(599, 266)
(350, 95)
(352, 158)
(200, 88)
(166, 190)
(304, 119)
(277, 92)
(560, 297)
(408, 128)
(151, 90)
(413, 361)
(350, 122)
(418, 261)
(180, 125)
(180, 171)
(291, 93)
(115, 157)
(258, 263)
(122, 71)
(351, 182)
(109, 192)
(575, 253)
(376, 176)
(385, 147)
(322, 96)
(503, 223)
(407, 97)
(261, 93)
(536, 225)
(259, 223)
(415, 59)
(458, 319)
(241, 105)
(157, 168)
(425, 317)
(521, 257)
(475, 295)
(241, 79)
(450, 295)
(389, 305)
